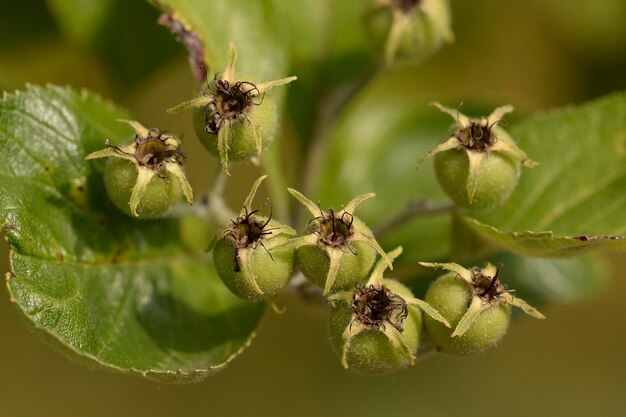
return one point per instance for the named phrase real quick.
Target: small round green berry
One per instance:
(451, 296)
(479, 165)
(250, 255)
(339, 250)
(379, 310)
(120, 176)
(495, 181)
(144, 179)
(246, 261)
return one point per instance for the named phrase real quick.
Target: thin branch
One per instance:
(413, 210)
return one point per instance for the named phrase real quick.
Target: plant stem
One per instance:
(213, 200)
(413, 210)
(272, 166)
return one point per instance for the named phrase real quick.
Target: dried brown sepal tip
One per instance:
(235, 111)
(154, 152)
(487, 291)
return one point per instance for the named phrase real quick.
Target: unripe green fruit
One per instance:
(120, 176)
(264, 272)
(315, 263)
(261, 120)
(409, 30)
(371, 352)
(496, 178)
(451, 296)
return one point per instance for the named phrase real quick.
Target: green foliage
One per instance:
(125, 294)
(574, 200)
(142, 296)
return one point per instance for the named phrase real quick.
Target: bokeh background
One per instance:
(535, 54)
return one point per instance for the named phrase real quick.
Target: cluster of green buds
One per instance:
(233, 118)
(137, 176)
(480, 164)
(475, 303)
(410, 29)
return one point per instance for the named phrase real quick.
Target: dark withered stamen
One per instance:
(376, 306)
(246, 231)
(229, 102)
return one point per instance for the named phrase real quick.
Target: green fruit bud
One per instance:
(409, 30)
(120, 176)
(476, 304)
(377, 309)
(478, 166)
(339, 249)
(246, 256)
(495, 181)
(451, 297)
(137, 177)
(232, 118)
(376, 327)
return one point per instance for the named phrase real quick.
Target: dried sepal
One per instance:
(247, 204)
(243, 255)
(476, 307)
(479, 135)
(335, 262)
(310, 205)
(144, 176)
(428, 309)
(452, 267)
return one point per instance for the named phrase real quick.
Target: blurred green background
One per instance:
(534, 54)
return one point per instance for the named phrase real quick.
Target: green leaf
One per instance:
(124, 293)
(575, 200)
(253, 26)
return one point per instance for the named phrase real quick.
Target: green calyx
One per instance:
(479, 165)
(246, 255)
(233, 118)
(141, 185)
(376, 327)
